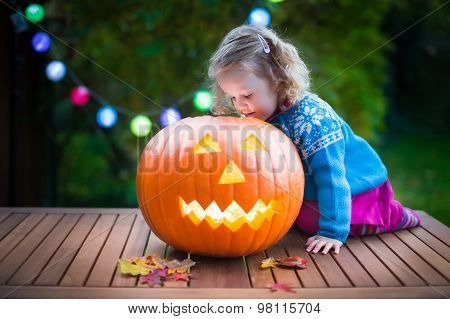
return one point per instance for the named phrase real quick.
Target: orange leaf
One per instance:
(293, 261)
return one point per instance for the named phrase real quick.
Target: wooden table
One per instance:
(73, 253)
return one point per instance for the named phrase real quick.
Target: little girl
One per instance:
(347, 190)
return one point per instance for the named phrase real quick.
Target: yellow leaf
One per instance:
(126, 267)
(269, 262)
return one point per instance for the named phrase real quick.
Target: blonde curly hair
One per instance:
(242, 48)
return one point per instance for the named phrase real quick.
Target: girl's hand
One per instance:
(317, 242)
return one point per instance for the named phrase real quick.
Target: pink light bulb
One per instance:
(79, 95)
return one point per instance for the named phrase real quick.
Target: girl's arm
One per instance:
(317, 132)
(333, 190)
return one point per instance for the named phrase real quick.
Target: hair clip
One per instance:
(264, 44)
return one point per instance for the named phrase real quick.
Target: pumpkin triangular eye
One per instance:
(231, 174)
(253, 143)
(206, 145)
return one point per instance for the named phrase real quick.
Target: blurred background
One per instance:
(78, 76)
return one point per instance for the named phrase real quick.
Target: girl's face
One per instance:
(251, 96)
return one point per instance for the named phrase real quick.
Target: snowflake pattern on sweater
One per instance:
(316, 126)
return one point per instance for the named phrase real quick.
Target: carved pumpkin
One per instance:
(220, 186)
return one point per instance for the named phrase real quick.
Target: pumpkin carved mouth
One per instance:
(234, 215)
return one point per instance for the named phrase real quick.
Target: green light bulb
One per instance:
(203, 100)
(141, 125)
(35, 12)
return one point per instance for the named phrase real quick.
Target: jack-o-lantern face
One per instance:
(220, 186)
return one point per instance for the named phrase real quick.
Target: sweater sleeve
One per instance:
(317, 132)
(333, 190)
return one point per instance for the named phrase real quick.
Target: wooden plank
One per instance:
(106, 264)
(180, 255)
(5, 210)
(83, 262)
(134, 247)
(18, 256)
(420, 267)
(353, 269)
(401, 270)
(435, 227)
(427, 254)
(10, 223)
(212, 272)
(18, 234)
(31, 268)
(327, 266)
(58, 264)
(373, 265)
(155, 246)
(310, 277)
(437, 245)
(4, 215)
(72, 210)
(218, 293)
(287, 276)
(259, 277)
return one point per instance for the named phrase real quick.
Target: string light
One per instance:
(259, 17)
(41, 42)
(55, 71)
(35, 12)
(203, 100)
(79, 95)
(141, 125)
(106, 116)
(169, 116)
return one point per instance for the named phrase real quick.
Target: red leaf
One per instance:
(183, 277)
(293, 261)
(281, 287)
(152, 278)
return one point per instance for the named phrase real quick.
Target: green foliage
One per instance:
(418, 170)
(341, 42)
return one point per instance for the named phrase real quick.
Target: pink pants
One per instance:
(375, 211)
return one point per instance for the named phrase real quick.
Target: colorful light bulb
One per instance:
(259, 17)
(35, 12)
(203, 100)
(55, 71)
(41, 42)
(106, 116)
(141, 125)
(169, 116)
(79, 95)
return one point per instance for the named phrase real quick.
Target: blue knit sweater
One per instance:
(337, 163)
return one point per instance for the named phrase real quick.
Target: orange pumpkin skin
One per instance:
(173, 169)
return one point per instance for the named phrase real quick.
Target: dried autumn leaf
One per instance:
(126, 267)
(269, 262)
(183, 277)
(293, 261)
(154, 278)
(174, 264)
(162, 272)
(154, 270)
(281, 287)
